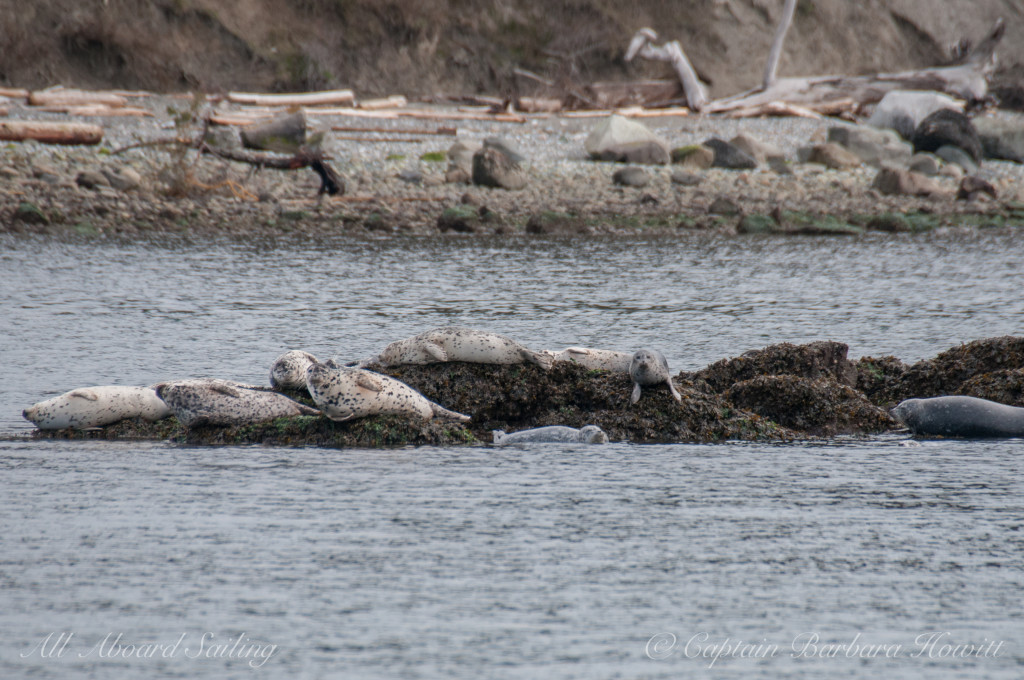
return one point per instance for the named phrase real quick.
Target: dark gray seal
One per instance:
(589, 434)
(647, 368)
(223, 403)
(959, 416)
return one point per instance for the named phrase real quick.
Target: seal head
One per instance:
(647, 368)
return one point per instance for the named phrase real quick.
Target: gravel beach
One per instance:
(395, 182)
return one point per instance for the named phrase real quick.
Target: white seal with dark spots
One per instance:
(224, 403)
(598, 359)
(289, 370)
(959, 416)
(95, 407)
(647, 368)
(453, 343)
(344, 393)
(589, 434)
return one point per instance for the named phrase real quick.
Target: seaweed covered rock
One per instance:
(1005, 387)
(823, 358)
(819, 407)
(947, 372)
(525, 396)
(880, 379)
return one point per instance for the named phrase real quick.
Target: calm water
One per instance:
(620, 561)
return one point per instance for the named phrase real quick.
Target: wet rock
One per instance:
(728, 156)
(833, 156)
(694, 157)
(874, 146)
(493, 168)
(723, 205)
(925, 163)
(1004, 387)
(896, 181)
(957, 156)
(620, 139)
(686, 179)
(947, 127)
(971, 188)
(903, 110)
(819, 407)
(880, 379)
(946, 373)
(757, 224)
(813, 360)
(1001, 139)
(756, 149)
(29, 213)
(556, 223)
(91, 179)
(462, 219)
(631, 177)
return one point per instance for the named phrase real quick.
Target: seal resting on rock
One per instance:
(222, 402)
(452, 343)
(96, 406)
(344, 393)
(958, 416)
(589, 434)
(599, 359)
(289, 370)
(650, 367)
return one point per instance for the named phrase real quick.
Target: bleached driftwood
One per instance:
(325, 98)
(395, 101)
(640, 46)
(50, 133)
(775, 54)
(59, 96)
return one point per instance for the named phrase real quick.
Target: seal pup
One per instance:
(589, 434)
(599, 359)
(454, 343)
(88, 407)
(344, 393)
(650, 367)
(959, 416)
(289, 370)
(221, 402)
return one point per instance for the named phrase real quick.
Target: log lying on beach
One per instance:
(50, 132)
(324, 98)
(70, 97)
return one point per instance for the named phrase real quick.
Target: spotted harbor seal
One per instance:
(344, 393)
(650, 367)
(222, 402)
(453, 343)
(600, 359)
(289, 370)
(589, 434)
(959, 416)
(89, 407)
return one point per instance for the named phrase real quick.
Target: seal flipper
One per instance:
(224, 388)
(675, 393)
(497, 436)
(442, 412)
(636, 393)
(88, 395)
(543, 359)
(435, 351)
(369, 382)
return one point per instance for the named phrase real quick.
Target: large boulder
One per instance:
(1002, 138)
(874, 146)
(900, 182)
(946, 127)
(903, 110)
(626, 141)
(728, 156)
(495, 166)
(460, 161)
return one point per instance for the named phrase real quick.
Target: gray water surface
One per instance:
(558, 561)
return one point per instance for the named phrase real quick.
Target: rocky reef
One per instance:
(778, 393)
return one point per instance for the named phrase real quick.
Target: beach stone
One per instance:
(897, 181)
(504, 147)
(946, 127)
(460, 162)
(972, 187)
(91, 179)
(492, 168)
(46, 173)
(780, 166)
(728, 156)
(903, 110)
(756, 149)
(411, 175)
(723, 205)
(461, 218)
(29, 213)
(617, 138)
(123, 179)
(925, 163)
(686, 179)
(556, 223)
(631, 177)
(695, 157)
(757, 224)
(951, 170)
(1001, 139)
(833, 156)
(957, 156)
(874, 146)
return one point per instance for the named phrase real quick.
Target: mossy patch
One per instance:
(434, 157)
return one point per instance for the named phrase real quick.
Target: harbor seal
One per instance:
(289, 370)
(589, 434)
(599, 359)
(97, 406)
(344, 393)
(221, 402)
(959, 416)
(650, 367)
(453, 343)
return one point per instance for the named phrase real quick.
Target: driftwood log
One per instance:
(50, 132)
(326, 98)
(69, 97)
